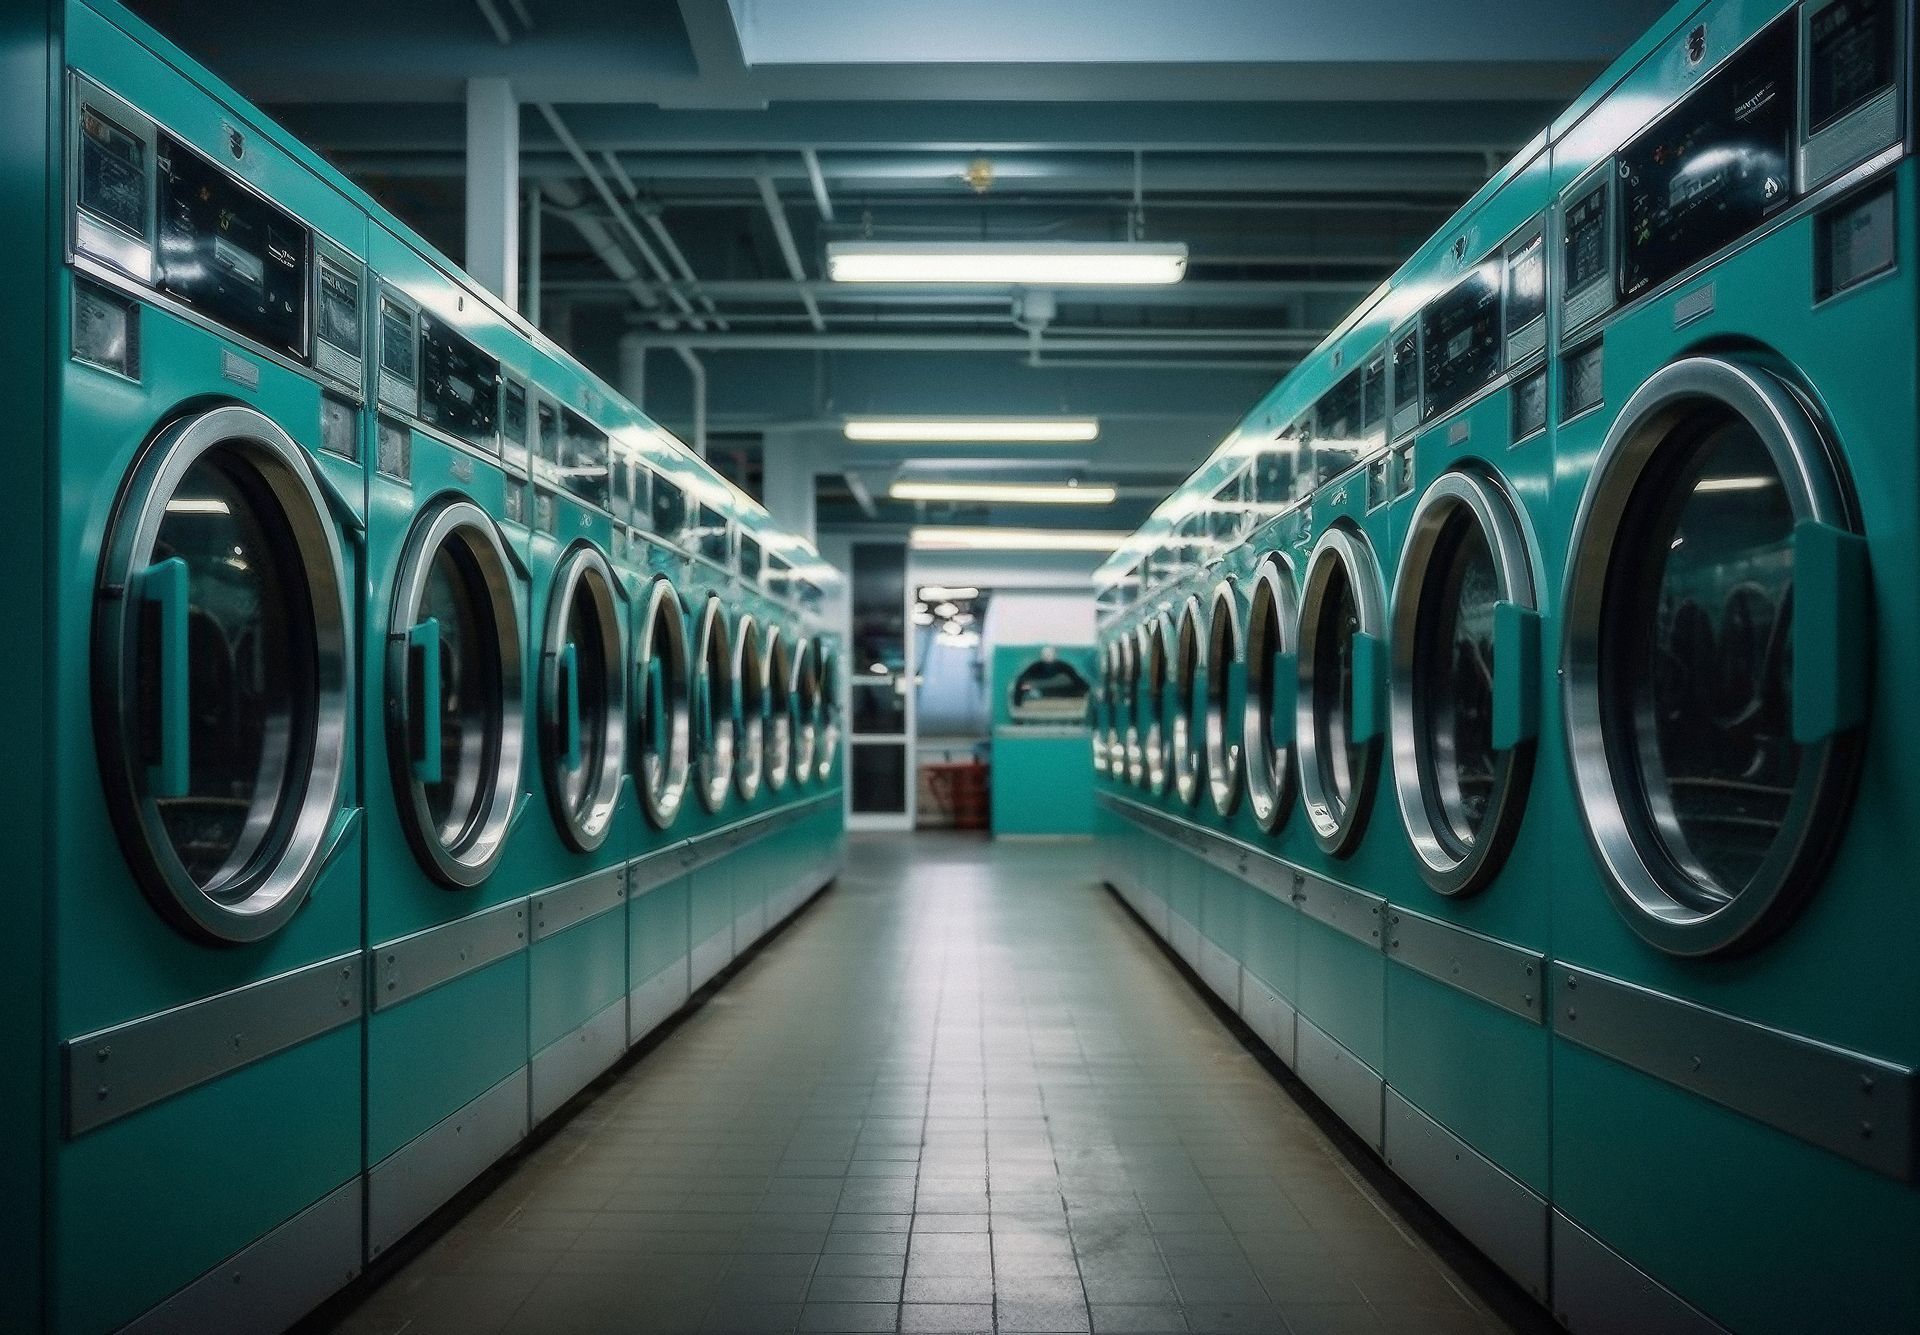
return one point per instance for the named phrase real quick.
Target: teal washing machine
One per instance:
(1465, 1112)
(1736, 487)
(1041, 783)
(444, 717)
(200, 876)
(712, 611)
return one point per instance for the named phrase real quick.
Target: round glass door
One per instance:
(1465, 680)
(750, 713)
(1273, 626)
(1132, 752)
(713, 694)
(1155, 638)
(1226, 677)
(454, 693)
(829, 708)
(806, 704)
(662, 688)
(778, 676)
(1336, 715)
(583, 699)
(220, 674)
(1182, 731)
(1715, 736)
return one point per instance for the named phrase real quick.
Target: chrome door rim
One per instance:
(663, 780)
(827, 705)
(279, 875)
(1269, 773)
(584, 572)
(806, 696)
(1154, 636)
(1486, 504)
(472, 859)
(1189, 670)
(713, 761)
(778, 676)
(1337, 825)
(1226, 647)
(750, 707)
(1637, 878)
(1133, 753)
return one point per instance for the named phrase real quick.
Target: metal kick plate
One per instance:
(414, 964)
(119, 1070)
(572, 904)
(656, 869)
(1858, 1107)
(1353, 912)
(1503, 975)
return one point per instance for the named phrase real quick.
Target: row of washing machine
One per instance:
(399, 727)
(1510, 721)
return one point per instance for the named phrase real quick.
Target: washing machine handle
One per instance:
(1516, 675)
(164, 587)
(1832, 652)
(567, 665)
(423, 668)
(1369, 688)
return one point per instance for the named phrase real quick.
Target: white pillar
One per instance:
(493, 187)
(632, 380)
(787, 467)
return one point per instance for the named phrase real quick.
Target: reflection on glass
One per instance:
(249, 696)
(1705, 607)
(1341, 758)
(469, 688)
(1049, 691)
(1453, 681)
(587, 637)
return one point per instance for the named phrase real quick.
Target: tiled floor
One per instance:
(965, 1091)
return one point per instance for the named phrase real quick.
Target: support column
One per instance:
(787, 480)
(493, 187)
(632, 380)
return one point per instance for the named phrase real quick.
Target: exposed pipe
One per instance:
(491, 13)
(601, 242)
(818, 180)
(536, 214)
(1016, 342)
(649, 215)
(699, 374)
(783, 234)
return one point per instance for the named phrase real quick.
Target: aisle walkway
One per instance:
(964, 1091)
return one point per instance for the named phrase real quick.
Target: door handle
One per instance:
(424, 685)
(1831, 631)
(164, 589)
(568, 667)
(1516, 675)
(1369, 688)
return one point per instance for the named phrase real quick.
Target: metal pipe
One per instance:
(698, 372)
(536, 213)
(783, 234)
(491, 13)
(1198, 293)
(1014, 342)
(651, 217)
(818, 180)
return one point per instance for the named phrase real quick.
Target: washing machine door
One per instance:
(1466, 646)
(1717, 655)
(1155, 640)
(1133, 751)
(1183, 736)
(713, 696)
(662, 690)
(1226, 681)
(750, 710)
(1337, 713)
(455, 703)
(806, 710)
(1272, 680)
(778, 676)
(829, 708)
(583, 698)
(221, 687)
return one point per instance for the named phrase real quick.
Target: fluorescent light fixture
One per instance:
(921, 430)
(1035, 264)
(1012, 493)
(940, 538)
(947, 593)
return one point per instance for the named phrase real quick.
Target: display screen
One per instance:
(113, 173)
(1714, 167)
(229, 254)
(1462, 334)
(1850, 58)
(712, 536)
(1526, 284)
(340, 309)
(547, 447)
(1584, 248)
(669, 509)
(396, 340)
(1406, 371)
(1530, 405)
(459, 385)
(1373, 394)
(513, 423)
(749, 558)
(583, 463)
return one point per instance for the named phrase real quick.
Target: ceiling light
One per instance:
(941, 538)
(1013, 493)
(1039, 264)
(951, 593)
(1045, 430)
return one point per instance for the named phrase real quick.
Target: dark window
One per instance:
(459, 385)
